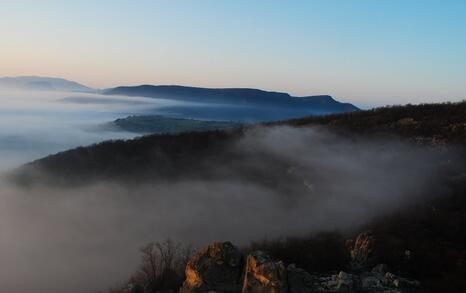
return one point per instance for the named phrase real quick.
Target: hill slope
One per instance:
(425, 123)
(161, 124)
(185, 154)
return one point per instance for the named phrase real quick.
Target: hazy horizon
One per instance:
(363, 52)
(362, 105)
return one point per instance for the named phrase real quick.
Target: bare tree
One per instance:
(162, 267)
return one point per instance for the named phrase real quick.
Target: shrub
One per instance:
(161, 269)
(321, 252)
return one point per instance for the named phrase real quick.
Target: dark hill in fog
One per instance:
(151, 124)
(190, 153)
(425, 123)
(322, 104)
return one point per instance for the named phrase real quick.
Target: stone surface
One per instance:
(341, 282)
(380, 280)
(216, 268)
(299, 281)
(380, 269)
(264, 275)
(221, 268)
(363, 253)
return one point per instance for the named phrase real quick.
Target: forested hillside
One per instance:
(423, 239)
(186, 154)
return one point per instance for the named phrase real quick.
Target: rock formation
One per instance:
(380, 280)
(220, 268)
(264, 275)
(363, 252)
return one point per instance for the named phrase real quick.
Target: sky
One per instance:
(365, 52)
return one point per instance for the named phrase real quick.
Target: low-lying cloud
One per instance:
(81, 239)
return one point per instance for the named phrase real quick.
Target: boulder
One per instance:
(380, 280)
(264, 275)
(380, 269)
(218, 267)
(363, 253)
(345, 282)
(301, 281)
(403, 284)
(341, 282)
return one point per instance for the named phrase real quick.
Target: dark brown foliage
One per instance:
(427, 240)
(323, 252)
(427, 123)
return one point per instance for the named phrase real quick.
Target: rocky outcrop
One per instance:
(363, 252)
(380, 280)
(301, 281)
(218, 267)
(264, 275)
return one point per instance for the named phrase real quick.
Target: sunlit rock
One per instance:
(218, 267)
(363, 252)
(262, 274)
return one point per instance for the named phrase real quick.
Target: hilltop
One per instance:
(147, 124)
(322, 104)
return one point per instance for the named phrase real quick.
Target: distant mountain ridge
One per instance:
(42, 83)
(243, 97)
(235, 96)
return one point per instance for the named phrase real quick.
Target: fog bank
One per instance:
(86, 238)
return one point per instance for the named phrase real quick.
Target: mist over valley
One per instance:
(95, 206)
(232, 146)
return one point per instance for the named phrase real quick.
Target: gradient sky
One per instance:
(366, 52)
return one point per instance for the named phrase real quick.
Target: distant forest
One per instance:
(424, 123)
(171, 156)
(161, 124)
